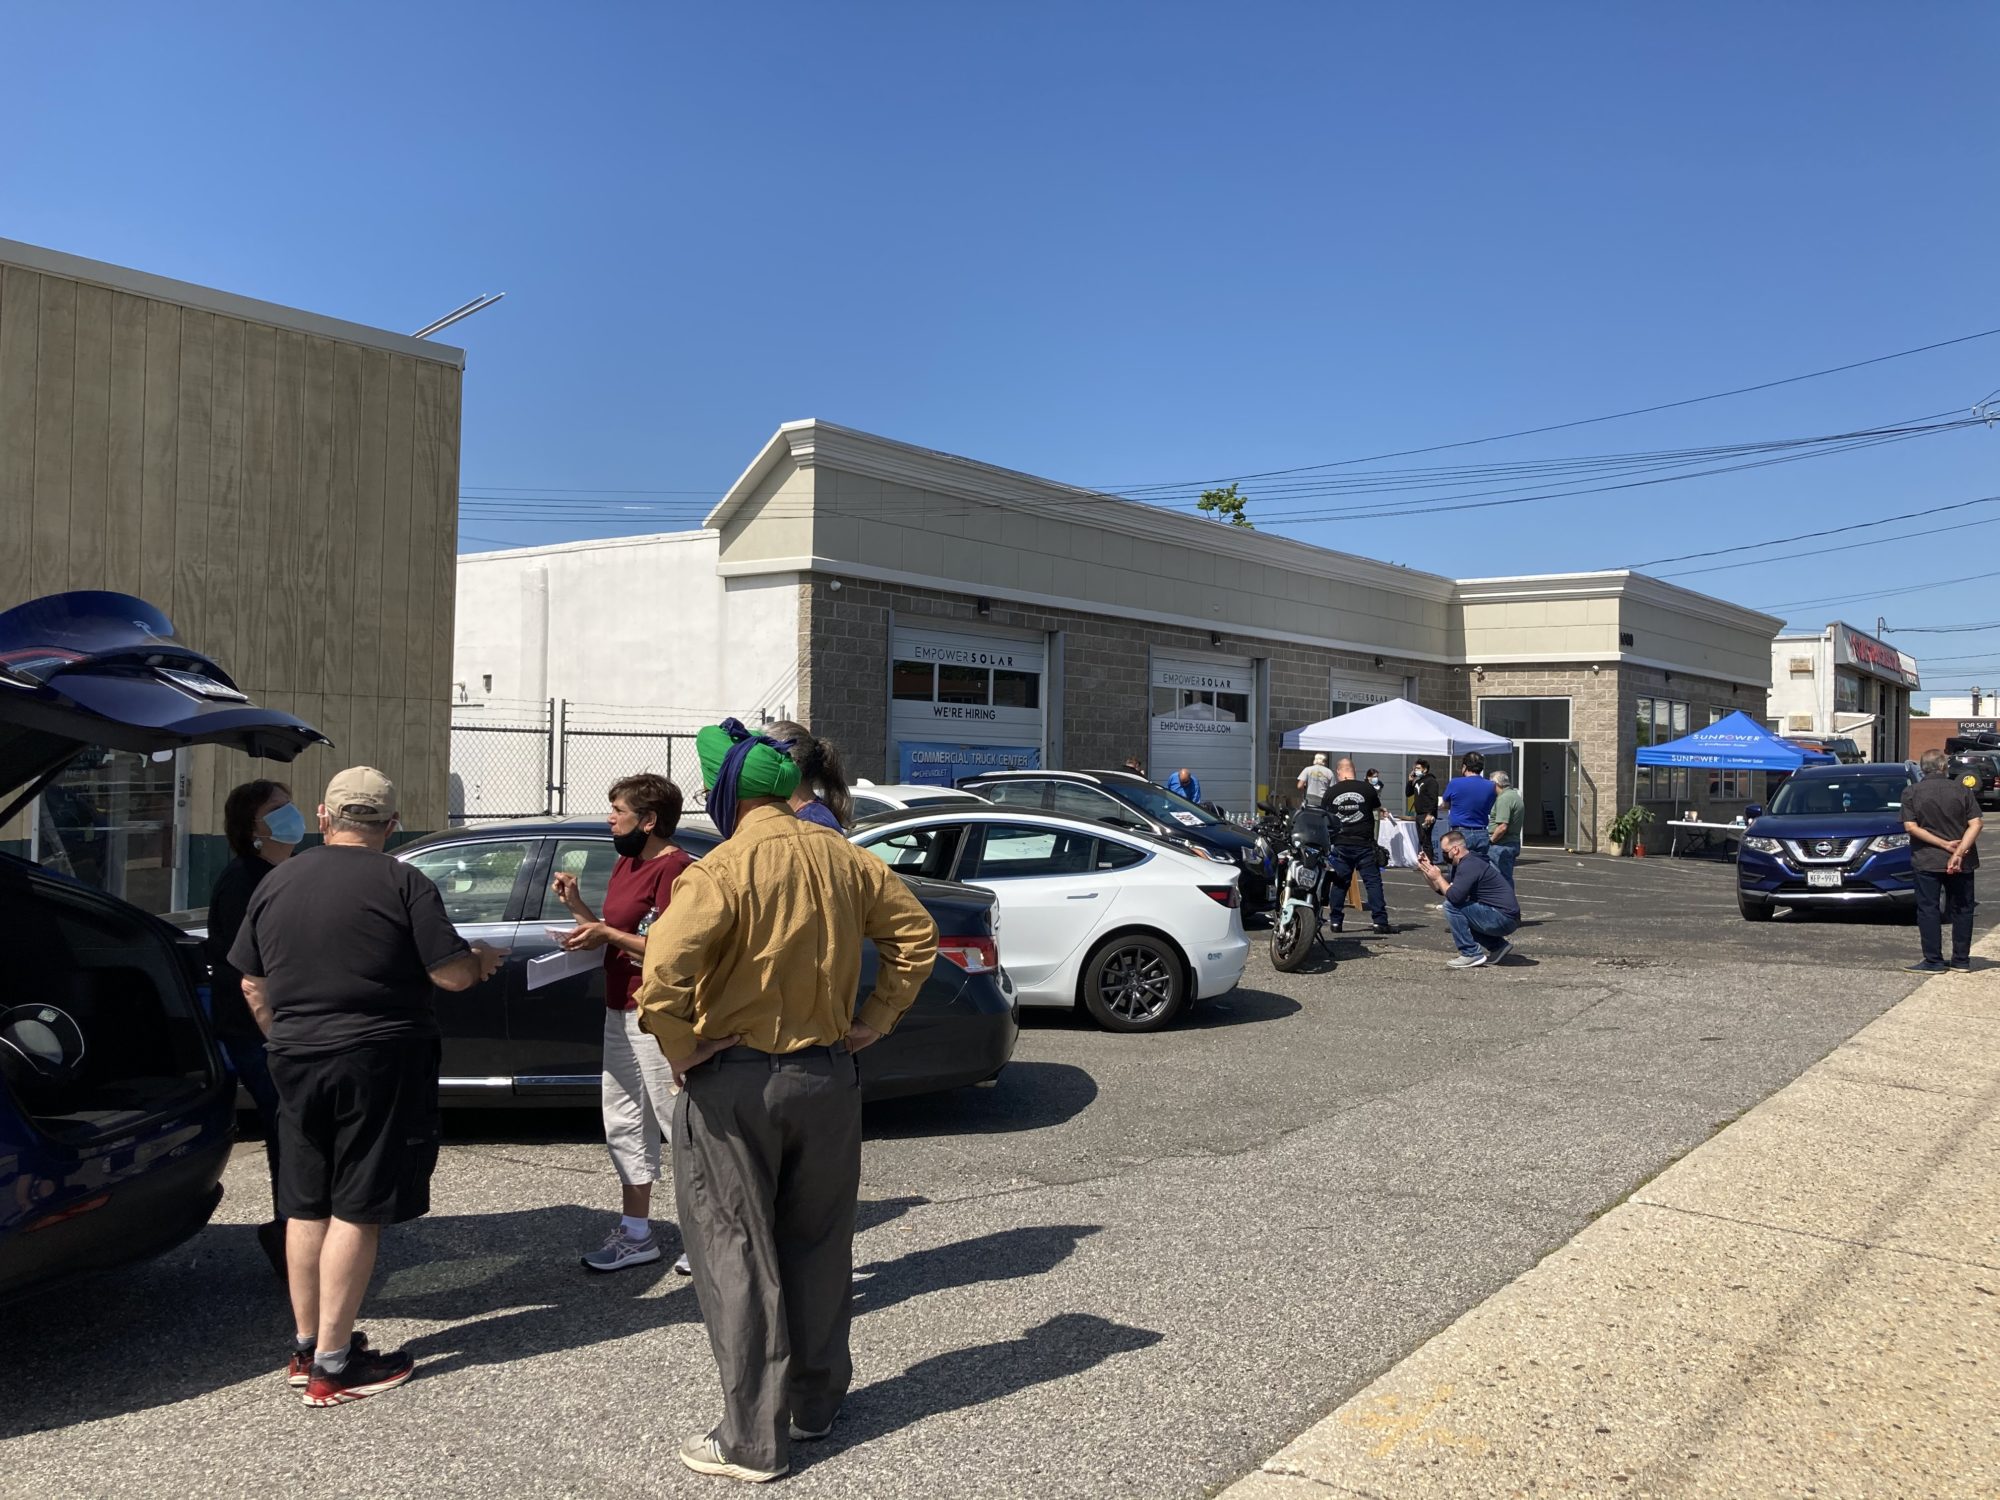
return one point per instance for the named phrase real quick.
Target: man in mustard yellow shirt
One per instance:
(750, 977)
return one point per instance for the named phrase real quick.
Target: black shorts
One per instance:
(358, 1131)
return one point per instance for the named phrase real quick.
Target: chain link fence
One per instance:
(528, 760)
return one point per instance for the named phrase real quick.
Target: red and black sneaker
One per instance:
(299, 1371)
(368, 1373)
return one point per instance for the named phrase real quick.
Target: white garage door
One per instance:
(962, 703)
(1203, 719)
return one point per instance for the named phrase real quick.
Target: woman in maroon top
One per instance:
(638, 1084)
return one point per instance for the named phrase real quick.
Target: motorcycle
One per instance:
(1303, 885)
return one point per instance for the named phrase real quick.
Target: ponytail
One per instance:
(820, 770)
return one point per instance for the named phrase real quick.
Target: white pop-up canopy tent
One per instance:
(1398, 727)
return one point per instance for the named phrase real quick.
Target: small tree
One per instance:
(1226, 504)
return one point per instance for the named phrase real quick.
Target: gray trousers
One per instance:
(767, 1168)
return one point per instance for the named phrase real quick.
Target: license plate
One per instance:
(1823, 878)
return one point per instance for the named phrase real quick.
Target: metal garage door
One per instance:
(1204, 719)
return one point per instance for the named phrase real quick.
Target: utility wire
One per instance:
(1809, 536)
(1758, 562)
(1637, 411)
(1914, 588)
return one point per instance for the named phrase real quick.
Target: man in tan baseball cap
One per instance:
(361, 796)
(341, 951)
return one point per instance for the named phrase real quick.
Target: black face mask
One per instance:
(632, 844)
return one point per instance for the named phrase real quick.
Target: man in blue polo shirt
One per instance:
(1468, 802)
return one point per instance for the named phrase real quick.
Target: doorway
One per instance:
(1540, 768)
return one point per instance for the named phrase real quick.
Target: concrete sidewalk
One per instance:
(1808, 1305)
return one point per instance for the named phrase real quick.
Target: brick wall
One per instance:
(843, 678)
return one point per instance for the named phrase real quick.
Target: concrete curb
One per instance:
(1808, 1305)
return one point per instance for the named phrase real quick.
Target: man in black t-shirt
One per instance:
(1355, 808)
(1941, 816)
(339, 952)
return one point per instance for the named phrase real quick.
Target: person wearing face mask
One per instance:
(637, 1084)
(263, 827)
(1374, 779)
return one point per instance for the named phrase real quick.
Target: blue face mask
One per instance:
(287, 824)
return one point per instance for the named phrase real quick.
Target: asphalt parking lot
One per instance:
(1135, 1266)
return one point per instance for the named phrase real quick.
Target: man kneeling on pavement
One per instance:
(1478, 903)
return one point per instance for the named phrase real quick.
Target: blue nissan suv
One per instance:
(1832, 837)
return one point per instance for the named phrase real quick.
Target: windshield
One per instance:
(1161, 805)
(1831, 796)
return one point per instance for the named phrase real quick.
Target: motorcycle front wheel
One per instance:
(1292, 932)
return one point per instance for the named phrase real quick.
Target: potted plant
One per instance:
(1627, 829)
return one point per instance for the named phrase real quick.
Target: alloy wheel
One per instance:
(1135, 983)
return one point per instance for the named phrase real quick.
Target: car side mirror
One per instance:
(1753, 812)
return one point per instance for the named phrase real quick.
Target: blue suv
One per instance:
(115, 1113)
(1833, 837)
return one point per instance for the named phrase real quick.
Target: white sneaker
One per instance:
(704, 1455)
(1468, 960)
(681, 1266)
(620, 1252)
(1500, 953)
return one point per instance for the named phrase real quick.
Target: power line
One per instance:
(1939, 629)
(1914, 588)
(1758, 562)
(1809, 536)
(1637, 411)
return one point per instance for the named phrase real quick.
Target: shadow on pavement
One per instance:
(1027, 1096)
(1068, 1344)
(1007, 1255)
(508, 1282)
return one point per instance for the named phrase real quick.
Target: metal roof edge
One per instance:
(229, 304)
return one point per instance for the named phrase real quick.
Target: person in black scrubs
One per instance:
(263, 827)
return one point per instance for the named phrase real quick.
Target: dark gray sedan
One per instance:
(505, 1043)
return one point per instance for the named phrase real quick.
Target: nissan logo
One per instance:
(1823, 846)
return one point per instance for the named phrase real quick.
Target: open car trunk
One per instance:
(100, 1027)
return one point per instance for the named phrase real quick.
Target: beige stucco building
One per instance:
(935, 615)
(283, 486)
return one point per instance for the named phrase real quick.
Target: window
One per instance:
(590, 861)
(867, 807)
(912, 681)
(477, 880)
(1015, 852)
(1014, 793)
(1201, 703)
(1093, 806)
(1017, 689)
(1525, 718)
(1659, 721)
(1728, 786)
(1112, 855)
(958, 684)
(918, 851)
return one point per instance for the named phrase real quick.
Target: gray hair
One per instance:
(1502, 779)
(1934, 762)
(337, 824)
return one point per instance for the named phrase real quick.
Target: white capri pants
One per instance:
(638, 1098)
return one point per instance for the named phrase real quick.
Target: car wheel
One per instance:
(1755, 911)
(1134, 983)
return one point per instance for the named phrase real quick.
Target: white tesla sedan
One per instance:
(1117, 921)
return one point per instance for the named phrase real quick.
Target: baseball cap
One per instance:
(361, 794)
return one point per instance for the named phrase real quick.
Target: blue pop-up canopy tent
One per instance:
(1737, 743)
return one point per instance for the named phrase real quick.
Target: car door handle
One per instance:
(1087, 896)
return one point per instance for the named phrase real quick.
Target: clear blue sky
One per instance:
(1107, 244)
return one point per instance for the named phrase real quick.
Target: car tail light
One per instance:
(975, 955)
(1223, 895)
